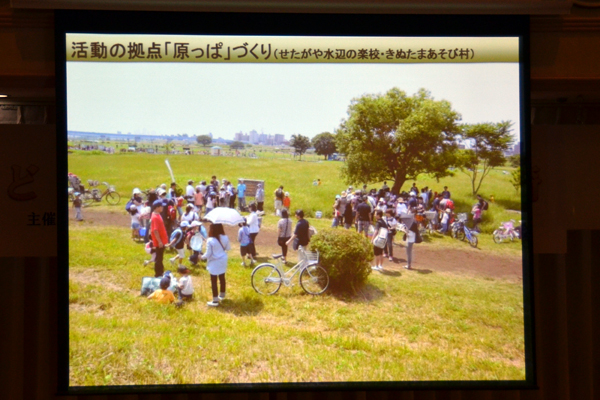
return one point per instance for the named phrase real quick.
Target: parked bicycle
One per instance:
(267, 278)
(94, 194)
(507, 231)
(460, 230)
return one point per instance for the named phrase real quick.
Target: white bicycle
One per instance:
(267, 278)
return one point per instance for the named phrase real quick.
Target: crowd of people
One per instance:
(164, 218)
(379, 214)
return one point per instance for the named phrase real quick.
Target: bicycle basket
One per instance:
(111, 188)
(462, 217)
(93, 183)
(311, 256)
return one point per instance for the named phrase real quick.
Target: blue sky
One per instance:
(195, 98)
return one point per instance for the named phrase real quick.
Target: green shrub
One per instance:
(346, 256)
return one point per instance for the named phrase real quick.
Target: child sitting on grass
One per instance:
(163, 295)
(185, 289)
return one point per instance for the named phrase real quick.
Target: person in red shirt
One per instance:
(159, 237)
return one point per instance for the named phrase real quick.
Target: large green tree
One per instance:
(324, 144)
(204, 140)
(397, 137)
(300, 144)
(488, 142)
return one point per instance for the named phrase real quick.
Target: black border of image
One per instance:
(140, 22)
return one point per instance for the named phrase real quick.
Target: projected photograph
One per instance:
(259, 210)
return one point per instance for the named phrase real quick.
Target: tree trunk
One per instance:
(398, 182)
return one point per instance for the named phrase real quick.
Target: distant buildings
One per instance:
(253, 137)
(241, 137)
(279, 139)
(517, 148)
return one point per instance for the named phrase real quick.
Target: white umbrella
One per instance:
(224, 215)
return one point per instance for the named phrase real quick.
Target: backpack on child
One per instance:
(171, 213)
(174, 234)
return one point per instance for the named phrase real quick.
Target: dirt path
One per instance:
(426, 259)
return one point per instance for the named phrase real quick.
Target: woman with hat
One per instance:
(136, 197)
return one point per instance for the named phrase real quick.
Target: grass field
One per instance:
(405, 325)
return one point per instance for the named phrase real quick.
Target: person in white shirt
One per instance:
(392, 224)
(210, 203)
(253, 228)
(190, 191)
(190, 215)
(401, 206)
(445, 219)
(217, 246)
(202, 187)
(185, 289)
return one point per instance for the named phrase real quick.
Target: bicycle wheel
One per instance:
(113, 198)
(314, 279)
(266, 279)
(473, 241)
(460, 235)
(497, 236)
(87, 198)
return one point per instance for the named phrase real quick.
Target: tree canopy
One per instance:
(300, 144)
(324, 144)
(236, 145)
(204, 140)
(488, 141)
(397, 137)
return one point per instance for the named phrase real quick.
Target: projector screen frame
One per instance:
(290, 25)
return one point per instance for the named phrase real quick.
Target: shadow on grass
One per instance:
(246, 306)
(509, 204)
(387, 272)
(368, 293)
(421, 271)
